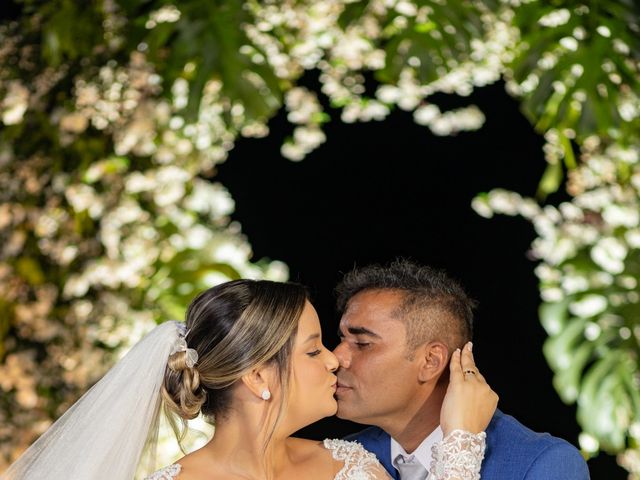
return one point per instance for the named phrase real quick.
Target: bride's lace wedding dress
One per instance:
(457, 457)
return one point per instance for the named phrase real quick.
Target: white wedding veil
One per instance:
(103, 435)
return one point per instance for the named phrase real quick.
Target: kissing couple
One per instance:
(250, 358)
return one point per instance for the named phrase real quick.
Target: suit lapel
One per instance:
(379, 443)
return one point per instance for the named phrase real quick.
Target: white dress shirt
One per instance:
(423, 452)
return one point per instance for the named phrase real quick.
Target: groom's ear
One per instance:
(434, 358)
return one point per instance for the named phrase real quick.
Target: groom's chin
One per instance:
(343, 411)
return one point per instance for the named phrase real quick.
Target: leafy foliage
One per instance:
(115, 113)
(577, 71)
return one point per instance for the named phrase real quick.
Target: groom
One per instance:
(399, 324)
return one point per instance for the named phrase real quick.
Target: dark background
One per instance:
(379, 190)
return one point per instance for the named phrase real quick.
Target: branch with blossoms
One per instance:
(109, 223)
(114, 115)
(589, 252)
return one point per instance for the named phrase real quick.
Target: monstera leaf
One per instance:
(431, 36)
(576, 67)
(594, 357)
(205, 43)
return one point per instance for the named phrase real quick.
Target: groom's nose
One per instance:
(343, 354)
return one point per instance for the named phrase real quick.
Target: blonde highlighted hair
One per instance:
(234, 327)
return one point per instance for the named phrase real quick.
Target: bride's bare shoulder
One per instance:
(312, 453)
(303, 448)
(193, 466)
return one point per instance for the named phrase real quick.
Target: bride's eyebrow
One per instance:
(313, 336)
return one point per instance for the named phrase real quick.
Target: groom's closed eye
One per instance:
(362, 336)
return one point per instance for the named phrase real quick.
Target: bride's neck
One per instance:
(245, 444)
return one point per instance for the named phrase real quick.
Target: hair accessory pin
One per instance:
(180, 345)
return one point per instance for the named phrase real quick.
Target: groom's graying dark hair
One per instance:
(434, 305)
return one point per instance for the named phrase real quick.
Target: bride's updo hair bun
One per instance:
(234, 327)
(182, 392)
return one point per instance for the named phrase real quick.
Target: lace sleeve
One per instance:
(359, 464)
(458, 456)
(167, 473)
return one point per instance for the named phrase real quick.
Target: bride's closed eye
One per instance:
(314, 353)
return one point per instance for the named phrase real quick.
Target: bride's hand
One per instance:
(469, 403)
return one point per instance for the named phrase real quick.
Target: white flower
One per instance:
(426, 114)
(594, 200)
(592, 331)
(180, 91)
(543, 226)
(627, 281)
(481, 206)
(214, 278)
(502, 201)
(546, 273)
(588, 306)
(198, 236)
(621, 215)
(308, 138)
(528, 208)
(75, 286)
(374, 110)
(350, 113)
(15, 103)
(609, 253)
(277, 272)
(588, 442)
(554, 251)
(574, 284)
(292, 151)
(570, 212)
(171, 173)
(137, 182)
(165, 14)
(406, 8)
(632, 238)
(302, 105)
(233, 253)
(388, 94)
(570, 43)
(82, 197)
(212, 199)
(351, 48)
(551, 294)
(555, 18)
(74, 122)
(601, 279)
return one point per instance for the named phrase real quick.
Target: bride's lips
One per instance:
(341, 388)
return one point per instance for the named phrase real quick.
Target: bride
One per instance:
(251, 359)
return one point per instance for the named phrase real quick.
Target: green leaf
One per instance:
(604, 404)
(351, 13)
(581, 69)
(551, 180)
(70, 32)
(29, 269)
(6, 314)
(558, 349)
(553, 315)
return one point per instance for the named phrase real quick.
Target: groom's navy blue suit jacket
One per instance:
(513, 453)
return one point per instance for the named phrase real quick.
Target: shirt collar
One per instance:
(423, 452)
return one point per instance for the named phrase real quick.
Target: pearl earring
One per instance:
(266, 394)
